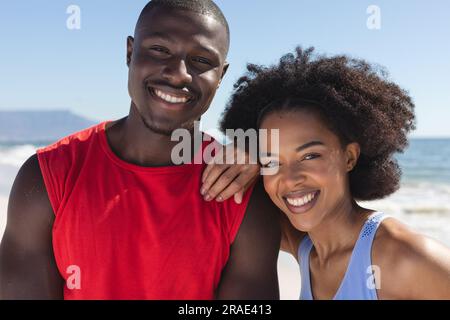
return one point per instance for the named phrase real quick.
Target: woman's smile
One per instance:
(301, 201)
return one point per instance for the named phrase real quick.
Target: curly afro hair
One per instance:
(355, 99)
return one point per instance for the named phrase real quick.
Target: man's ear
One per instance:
(130, 42)
(353, 150)
(225, 69)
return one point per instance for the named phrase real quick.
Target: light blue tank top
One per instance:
(359, 281)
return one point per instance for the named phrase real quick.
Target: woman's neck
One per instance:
(339, 230)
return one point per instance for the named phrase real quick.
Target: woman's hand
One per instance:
(230, 173)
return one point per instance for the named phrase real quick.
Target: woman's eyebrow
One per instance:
(309, 145)
(298, 149)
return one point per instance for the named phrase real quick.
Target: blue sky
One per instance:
(44, 65)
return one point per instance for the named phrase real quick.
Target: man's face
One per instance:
(176, 63)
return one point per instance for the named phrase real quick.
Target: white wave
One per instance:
(424, 206)
(419, 197)
(16, 155)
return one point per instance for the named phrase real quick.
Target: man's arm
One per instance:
(251, 271)
(27, 264)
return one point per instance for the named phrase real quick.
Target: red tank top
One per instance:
(124, 231)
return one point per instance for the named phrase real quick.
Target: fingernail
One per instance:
(207, 197)
(219, 199)
(203, 191)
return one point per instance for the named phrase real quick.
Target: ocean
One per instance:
(422, 202)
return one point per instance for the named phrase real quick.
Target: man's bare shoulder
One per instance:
(27, 265)
(29, 207)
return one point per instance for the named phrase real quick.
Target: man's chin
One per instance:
(164, 125)
(159, 129)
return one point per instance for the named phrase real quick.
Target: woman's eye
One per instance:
(311, 156)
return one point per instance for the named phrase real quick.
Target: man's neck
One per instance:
(132, 141)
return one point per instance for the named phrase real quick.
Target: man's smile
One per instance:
(179, 98)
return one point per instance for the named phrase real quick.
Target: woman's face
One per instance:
(312, 178)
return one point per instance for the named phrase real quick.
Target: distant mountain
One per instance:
(39, 126)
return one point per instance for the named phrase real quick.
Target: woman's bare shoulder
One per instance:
(411, 265)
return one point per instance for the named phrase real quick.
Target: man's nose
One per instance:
(177, 73)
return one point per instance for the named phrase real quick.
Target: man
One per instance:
(104, 213)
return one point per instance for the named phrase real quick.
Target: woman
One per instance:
(340, 122)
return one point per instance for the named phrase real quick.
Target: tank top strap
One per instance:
(304, 250)
(359, 280)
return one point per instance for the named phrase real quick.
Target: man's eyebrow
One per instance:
(300, 148)
(158, 35)
(208, 49)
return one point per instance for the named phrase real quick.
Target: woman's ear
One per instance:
(353, 150)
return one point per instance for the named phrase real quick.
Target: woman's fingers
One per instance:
(238, 186)
(222, 183)
(238, 196)
(215, 171)
(243, 178)
(221, 180)
(206, 172)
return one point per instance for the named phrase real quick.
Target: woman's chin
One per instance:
(302, 223)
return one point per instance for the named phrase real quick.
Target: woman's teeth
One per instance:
(168, 98)
(298, 202)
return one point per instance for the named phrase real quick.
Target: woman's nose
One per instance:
(292, 176)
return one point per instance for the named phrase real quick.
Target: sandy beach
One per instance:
(288, 277)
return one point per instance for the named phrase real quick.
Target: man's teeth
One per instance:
(298, 202)
(168, 98)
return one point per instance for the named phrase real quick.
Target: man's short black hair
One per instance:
(205, 7)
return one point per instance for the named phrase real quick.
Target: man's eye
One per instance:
(311, 156)
(160, 50)
(202, 60)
